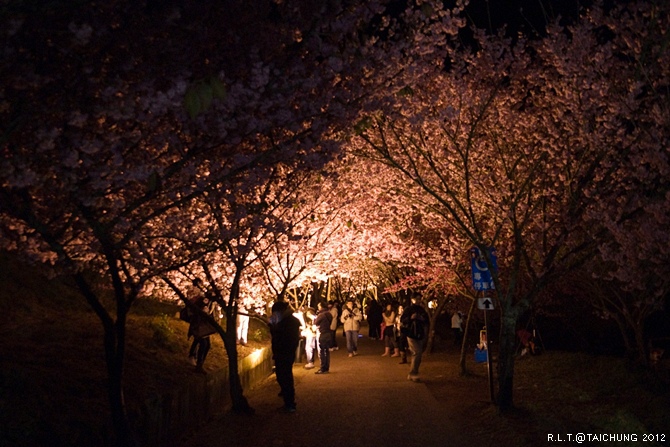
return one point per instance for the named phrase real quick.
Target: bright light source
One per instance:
(255, 358)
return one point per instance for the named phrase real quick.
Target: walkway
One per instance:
(364, 401)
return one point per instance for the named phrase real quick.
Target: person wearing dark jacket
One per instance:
(374, 312)
(322, 322)
(201, 329)
(285, 331)
(415, 321)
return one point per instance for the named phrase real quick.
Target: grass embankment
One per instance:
(52, 369)
(560, 393)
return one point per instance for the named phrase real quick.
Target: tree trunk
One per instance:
(317, 293)
(114, 348)
(239, 401)
(464, 370)
(506, 348)
(629, 345)
(114, 344)
(632, 334)
(430, 341)
(642, 356)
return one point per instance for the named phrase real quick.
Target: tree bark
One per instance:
(239, 401)
(123, 433)
(464, 369)
(506, 348)
(114, 344)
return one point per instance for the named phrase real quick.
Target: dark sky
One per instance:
(524, 15)
(519, 13)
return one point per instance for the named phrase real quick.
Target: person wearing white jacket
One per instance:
(351, 319)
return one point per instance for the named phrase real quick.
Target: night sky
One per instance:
(527, 16)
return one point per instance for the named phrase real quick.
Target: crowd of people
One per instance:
(312, 332)
(403, 331)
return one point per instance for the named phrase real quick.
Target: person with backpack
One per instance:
(415, 321)
(201, 329)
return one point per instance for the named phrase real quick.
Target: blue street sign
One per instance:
(482, 279)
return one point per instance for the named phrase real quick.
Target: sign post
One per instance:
(482, 279)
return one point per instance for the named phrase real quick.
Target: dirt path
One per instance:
(365, 400)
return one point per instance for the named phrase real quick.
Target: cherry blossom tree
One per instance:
(249, 242)
(288, 259)
(633, 258)
(612, 78)
(517, 144)
(120, 118)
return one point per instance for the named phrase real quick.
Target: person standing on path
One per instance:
(322, 322)
(351, 320)
(374, 315)
(457, 327)
(309, 332)
(285, 331)
(388, 334)
(414, 322)
(332, 307)
(401, 338)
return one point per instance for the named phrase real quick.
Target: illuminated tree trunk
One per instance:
(239, 401)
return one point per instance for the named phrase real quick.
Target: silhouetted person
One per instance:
(527, 342)
(415, 322)
(200, 329)
(285, 331)
(322, 322)
(374, 313)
